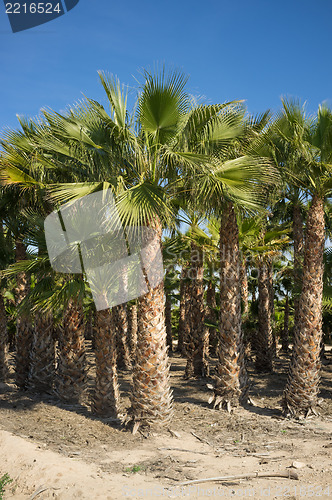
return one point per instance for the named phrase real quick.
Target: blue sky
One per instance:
(255, 50)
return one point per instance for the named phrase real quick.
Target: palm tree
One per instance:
(231, 383)
(301, 392)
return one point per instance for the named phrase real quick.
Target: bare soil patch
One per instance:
(54, 450)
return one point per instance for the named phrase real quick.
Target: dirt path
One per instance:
(66, 450)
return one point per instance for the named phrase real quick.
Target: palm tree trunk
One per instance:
(264, 337)
(24, 331)
(3, 341)
(271, 305)
(121, 327)
(197, 347)
(244, 288)
(151, 394)
(132, 330)
(298, 260)
(42, 368)
(184, 313)
(301, 392)
(72, 367)
(211, 315)
(168, 322)
(285, 331)
(232, 382)
(105, 401)
(88, 328)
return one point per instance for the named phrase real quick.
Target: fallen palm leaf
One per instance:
(286, 474)
(182, 449)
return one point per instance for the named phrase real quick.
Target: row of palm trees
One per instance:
(234, 177)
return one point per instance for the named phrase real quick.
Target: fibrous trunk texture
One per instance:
(271, 305)
(264, 338)
(72, 367)
(168, 322)
(300, 396)
(121, 327)
(151, 395)
(211, 315)
(42, 368)
(197, 346)
(285, 330)
(244, 288)
(105, 400)
(132, 330)
(24, 331)
(3, 341)
(298, 260)
(322, 350)
(88, 329)
(184, 313)
(231, 381)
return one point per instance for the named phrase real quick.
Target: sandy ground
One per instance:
(54, 450)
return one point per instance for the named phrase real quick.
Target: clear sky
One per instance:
(256, 50)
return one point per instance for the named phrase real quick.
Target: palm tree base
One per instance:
(226, 398)
(151, 397)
